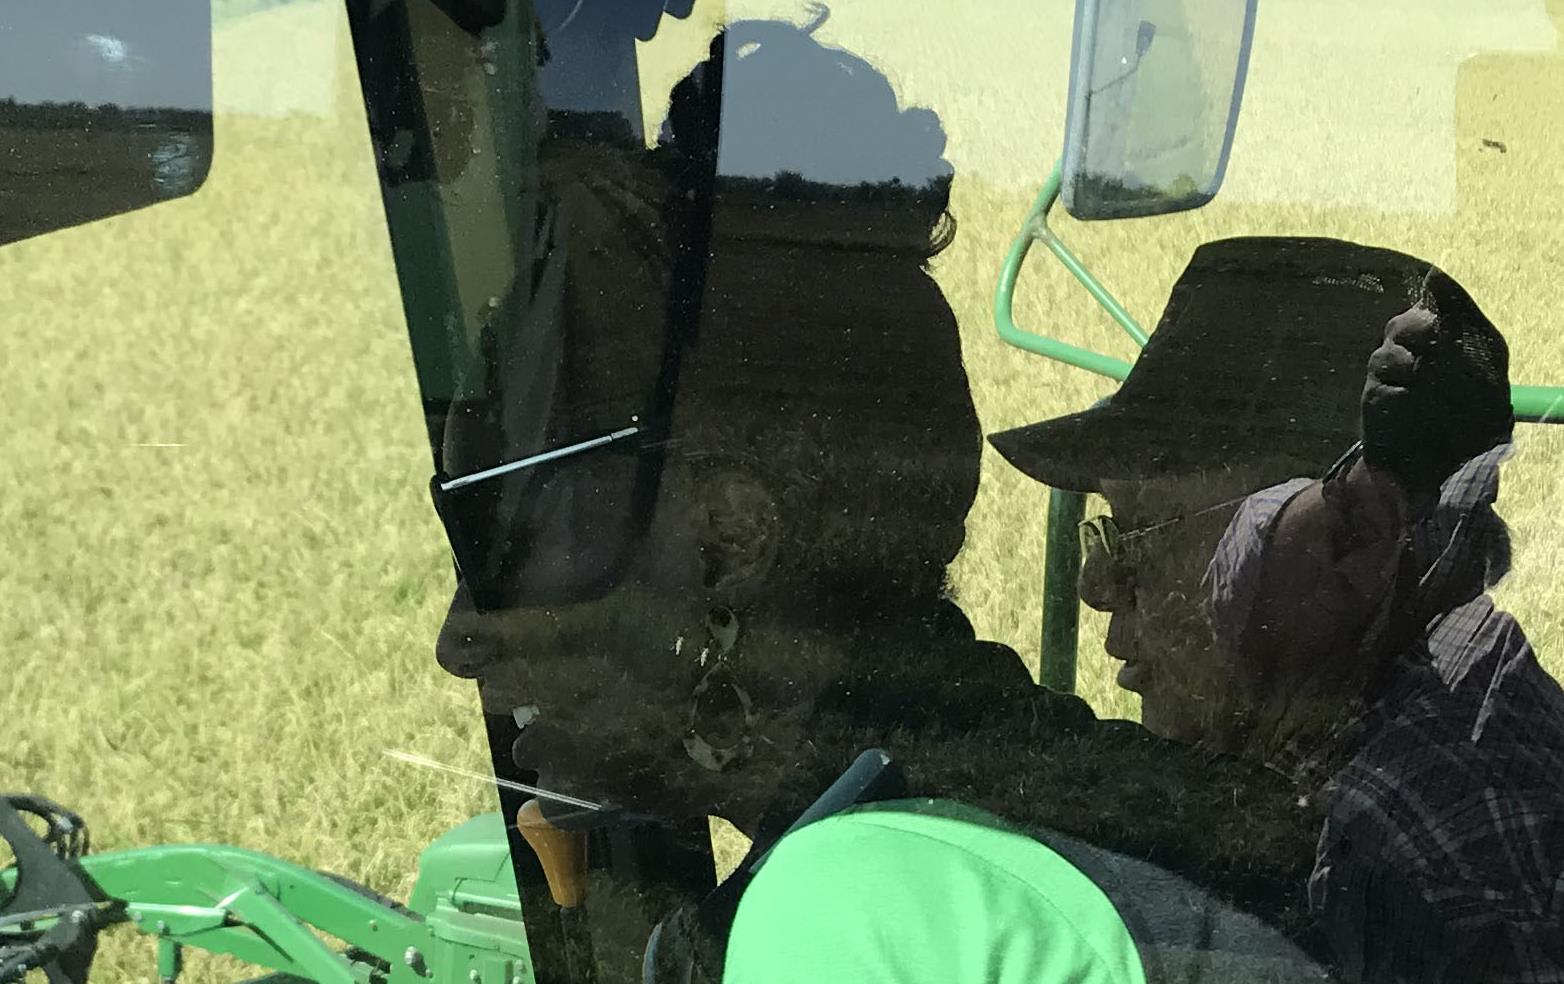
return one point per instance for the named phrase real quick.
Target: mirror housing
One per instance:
(105, 108)
(1155, 91)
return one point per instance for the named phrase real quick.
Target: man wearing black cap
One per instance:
(1253, 376)
(1341, 633)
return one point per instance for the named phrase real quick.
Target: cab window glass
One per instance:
(105, 109)
(220, 390)
(850, 472)
(721, 527)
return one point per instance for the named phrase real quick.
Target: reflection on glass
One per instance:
(719, 608)
(713, 448)
(1154, 99)
(104, 108)
(1342, 634)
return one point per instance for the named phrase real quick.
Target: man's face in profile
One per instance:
(611, 686)
(1148, 578)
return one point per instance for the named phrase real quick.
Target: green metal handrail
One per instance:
(1035, 229)
(1538, 404)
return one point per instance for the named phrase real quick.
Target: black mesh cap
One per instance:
(1437, 393)
(1473, 351)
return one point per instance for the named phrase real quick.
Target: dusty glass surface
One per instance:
(690, 308)
(718, 449)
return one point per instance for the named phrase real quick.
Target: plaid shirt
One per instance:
(1442, 853)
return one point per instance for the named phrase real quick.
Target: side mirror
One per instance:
(1155, 89)
(105, 108)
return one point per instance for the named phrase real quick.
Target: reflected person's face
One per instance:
(614, 685)
(1150, 585)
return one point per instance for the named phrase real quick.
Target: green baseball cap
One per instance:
(881, 894)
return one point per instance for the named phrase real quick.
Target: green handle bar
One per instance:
(1538, 404)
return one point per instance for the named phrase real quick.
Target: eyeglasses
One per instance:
(1113, 553)
(1106, 547)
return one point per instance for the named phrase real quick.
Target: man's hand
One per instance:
(1436, 393)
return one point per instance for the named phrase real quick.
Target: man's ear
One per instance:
(739, 533)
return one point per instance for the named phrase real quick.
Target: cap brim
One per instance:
(1077, 452)
(1065, 453)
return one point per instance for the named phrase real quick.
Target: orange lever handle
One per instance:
(563, 853)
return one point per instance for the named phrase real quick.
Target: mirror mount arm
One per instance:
(1034, 230)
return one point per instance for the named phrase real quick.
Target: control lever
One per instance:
(562, 852)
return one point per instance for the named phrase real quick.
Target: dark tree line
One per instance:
(792, 186)
(612, 129)
(107, 116)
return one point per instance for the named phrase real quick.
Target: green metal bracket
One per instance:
(170, 960)
(257, 908)
(1061, 609)
(176, 920)
(466, 890)
(463, 923)
(246, 904)
(470, 862)
(1034, 230)
(288, 934)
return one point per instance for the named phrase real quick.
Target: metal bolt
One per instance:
(412, 957)
(136, 917)
(472, 975)
(374, 924)
(162, 927)
(79, 917)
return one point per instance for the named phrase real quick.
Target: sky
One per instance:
(790, 102)
(146, 53)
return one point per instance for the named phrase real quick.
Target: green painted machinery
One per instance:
(462, 923)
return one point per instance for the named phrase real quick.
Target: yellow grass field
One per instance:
(216, 641)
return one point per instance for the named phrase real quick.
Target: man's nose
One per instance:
(1103, 584)
(463, 649)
